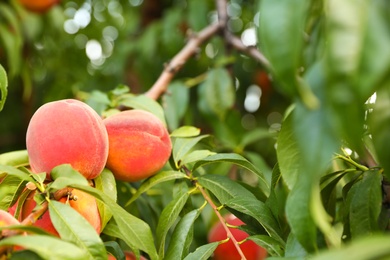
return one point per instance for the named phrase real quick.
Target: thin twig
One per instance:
(161, 85)
(222, 220)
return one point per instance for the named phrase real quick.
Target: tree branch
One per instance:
(161, 85)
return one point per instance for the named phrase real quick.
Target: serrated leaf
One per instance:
(273, 246)
(105, 182)
(224, 188)
(203, 252)
(231, 158)
(167, 218)
(47, 247)
(366, 205)
(259, 211)
(14, 158)
(186, 131)
(145, 103)
(156, 179)
(217, 93)
(181, 237)
(74, 228)
(129, 225)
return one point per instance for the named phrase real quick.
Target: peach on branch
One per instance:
(82, 202)
(67, 131)
(227, 250)
(139, 145)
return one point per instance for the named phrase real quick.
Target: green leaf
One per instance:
(288, 153)
(282, 39)
(298, 211)
(166, 220)
(224, 188)
(12, 171)
(217, 93)
(47, 247)
(273, 246)
(160, 177)
(259, 211)
(231, 158)
(366, 205)
(379, 125)
(11, 36)
(203, 252)
(196, 156)
(145, 103)
(129, 225)
(368, 247)
(74, 228)
(66, 171)
(294, 248)
(181, 146)
(14, 158)
(175, 103)
(10, 189)
(255, 136)
(182, 236)
(373, 71)
(105, 182)
(186, 131)
(3, 91)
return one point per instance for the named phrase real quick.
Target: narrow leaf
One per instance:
(182, 236)
(273, 246)
(203, 252)
(232, 158)
(161, 177)
(74, 228)
(366, 205)
(166, 220)
(47, 247)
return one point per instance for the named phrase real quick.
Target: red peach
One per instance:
(227, 250)
(85, 204)
(6, 219)
(139, 145)
(67, 131)
(38, 6)
(129, 256)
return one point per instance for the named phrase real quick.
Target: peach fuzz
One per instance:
(85, 204)
(67, 131)
(227, 250)
(139, 145)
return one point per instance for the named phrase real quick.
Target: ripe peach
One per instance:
(38, 6)
(227, 250)
(6, 219)
(85, 204)
(139, 145)
(67, 131)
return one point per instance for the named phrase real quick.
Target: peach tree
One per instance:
(178, 116)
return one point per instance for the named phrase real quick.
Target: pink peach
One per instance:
(67, 131)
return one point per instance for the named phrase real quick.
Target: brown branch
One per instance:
(161, 85)
(222, 220)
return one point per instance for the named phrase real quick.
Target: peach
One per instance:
(67, 131)
(85, 204)
(139, 145)
(6, 219)
(227, 250)
(38, 6)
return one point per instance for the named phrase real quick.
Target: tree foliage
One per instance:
(289, 132)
